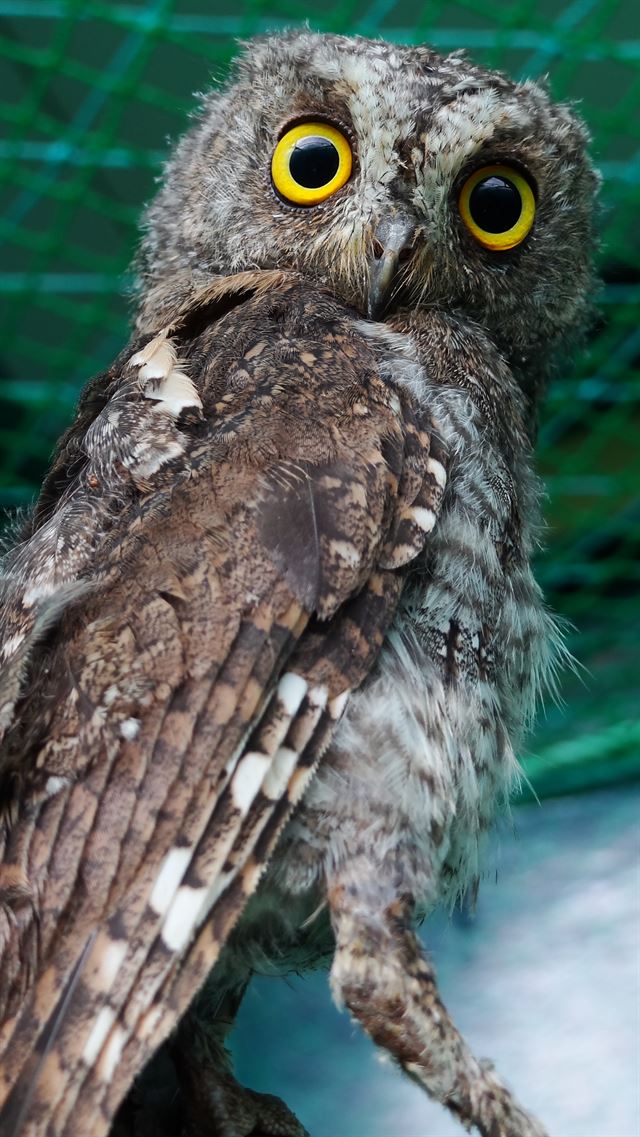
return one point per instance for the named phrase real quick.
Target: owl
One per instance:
(270, 636)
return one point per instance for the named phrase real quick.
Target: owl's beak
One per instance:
(393, 239)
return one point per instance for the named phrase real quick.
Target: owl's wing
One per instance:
(212, 566)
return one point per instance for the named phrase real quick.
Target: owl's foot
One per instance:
(188, 1088)
(213, 1103)
(208, 1103)
(221, 1107)
(381, 974)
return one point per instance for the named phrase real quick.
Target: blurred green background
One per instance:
(546, 979)
(90, 93)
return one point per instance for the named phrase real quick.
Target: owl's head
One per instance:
(394, 176)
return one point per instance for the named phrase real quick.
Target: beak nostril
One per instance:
(378, 248)
(406, 253)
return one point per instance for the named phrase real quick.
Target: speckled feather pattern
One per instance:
(170, 722)
(270, 639)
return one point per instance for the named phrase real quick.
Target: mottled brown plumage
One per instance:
(282, 493)
(276, 505)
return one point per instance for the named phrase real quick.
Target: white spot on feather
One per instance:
(155, 360)
(169, 876)
(318, 696)
(425, 519)
(54, 784)
(437, 469)
(129, 729)
(175, 393)
(337, 705)
(291, 691)
(170, 387)
(182, 917)
(111, 1054)
(280, 771)
(103, 1022)
(248, 778)
(110, 962)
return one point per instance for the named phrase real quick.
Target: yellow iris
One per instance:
(498, 206)
(311, 162)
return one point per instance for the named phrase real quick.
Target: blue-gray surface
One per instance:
(545, 980)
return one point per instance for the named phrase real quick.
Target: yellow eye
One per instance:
(498, 207)
(310, 162)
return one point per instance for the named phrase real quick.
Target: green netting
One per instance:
(89, 93)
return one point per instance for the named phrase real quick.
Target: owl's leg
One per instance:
(382, 975)
(214, 1104)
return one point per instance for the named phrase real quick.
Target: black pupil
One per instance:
(495, 204)
(314, 161)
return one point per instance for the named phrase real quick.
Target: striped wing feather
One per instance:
(212, 567)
